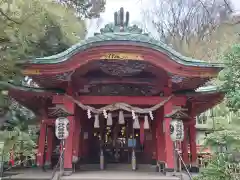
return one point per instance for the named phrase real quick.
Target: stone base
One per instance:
(67, 172)
(191, 168)
(194, 169)
(160, 166)
(169, 170)
(47, 165)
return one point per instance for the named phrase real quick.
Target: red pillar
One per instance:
(160, 145)
(154, 140)
(185, 144)
(69, 147)
(77, 140)
(193, 145)
(169, 154)
(41, 144)
(50, 138)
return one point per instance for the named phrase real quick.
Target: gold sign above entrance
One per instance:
(31, 72)
(121, 56)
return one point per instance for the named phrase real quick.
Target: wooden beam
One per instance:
(134, 100)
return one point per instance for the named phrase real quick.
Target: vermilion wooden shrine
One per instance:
(119, 65)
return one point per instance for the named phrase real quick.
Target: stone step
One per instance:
(117, 167)
(93, 175)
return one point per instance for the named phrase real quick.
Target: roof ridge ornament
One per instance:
(121, 24)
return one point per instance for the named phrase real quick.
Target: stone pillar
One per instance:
(184, 145)
(169, 147)
(41, 144)
(68, 167)
(50, 139)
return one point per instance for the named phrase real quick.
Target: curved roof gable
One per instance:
(120, 33)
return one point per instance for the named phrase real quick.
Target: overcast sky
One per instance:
(135, 8)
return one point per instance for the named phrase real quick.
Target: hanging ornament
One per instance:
(109, 119)
(151, 115)
(96, 121)
(133, 115)
(121, 118)
(105, 114)
(136, 124)
(146, 123)
(89, 114)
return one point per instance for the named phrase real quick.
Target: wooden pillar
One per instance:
(41, 144)
(184, 145)
(153, 142)
(69, 147)
(193, 145)
(169, 154)
(50, 139)
(192, 140)
(160, 145)
(68, 154)
(77, 140)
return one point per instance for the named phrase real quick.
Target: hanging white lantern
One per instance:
(89, 114)
(121, 118)
(176, 130)
(136, 124)
(96, 121)
(109, 119)
(105, 114)
(133, 115)
(146, 123)
(151, 115)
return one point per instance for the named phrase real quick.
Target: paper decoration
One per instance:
(105, 114)
(96, 121)
(136, 124)
(109, 119)
(121, 118)
(146, 123)
(89, 114)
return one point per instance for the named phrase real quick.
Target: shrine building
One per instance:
(120, 90)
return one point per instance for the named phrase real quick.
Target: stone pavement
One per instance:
(35, 174)
(94, 174)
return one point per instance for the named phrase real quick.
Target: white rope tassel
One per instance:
(109, 119)
(133, 115)
(96, 121)
(89, 114)
(151, 115)
(121, 118)
(146, 123)
(105, 114)
(136, 124)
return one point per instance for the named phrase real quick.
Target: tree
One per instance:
(220, 167)
(33, 28)
(194, 28)
(30, 29)
(27, 26)
(86, 8)
(225, 140)
(230, 77)
(16, 137)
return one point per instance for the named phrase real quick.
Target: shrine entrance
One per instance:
(117, 140)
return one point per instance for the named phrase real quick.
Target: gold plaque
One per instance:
(122, 56)
(31, 72)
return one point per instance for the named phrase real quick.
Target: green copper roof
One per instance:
(207, 89)
(9, 86)
(120, 33)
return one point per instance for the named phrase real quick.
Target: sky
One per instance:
(135, 7)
